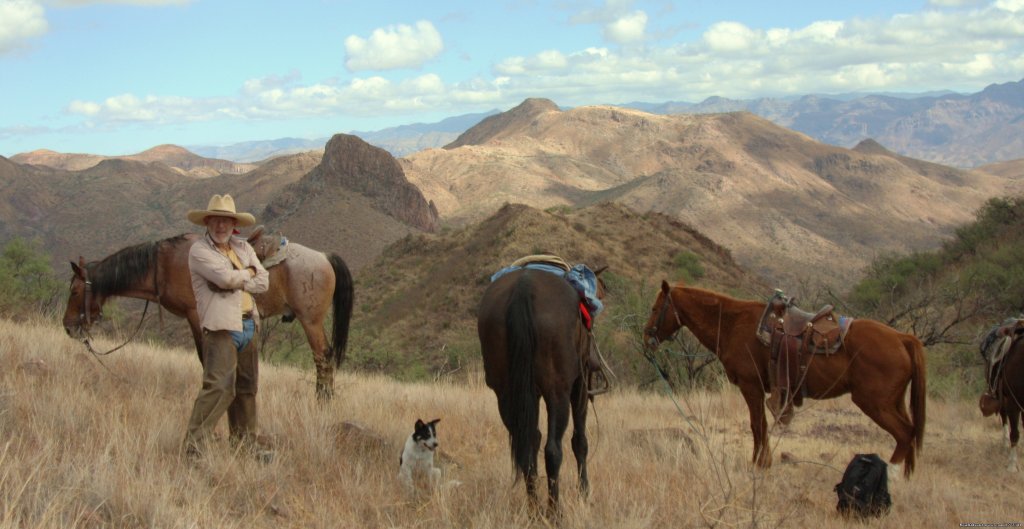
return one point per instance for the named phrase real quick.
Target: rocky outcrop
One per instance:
(371, 171)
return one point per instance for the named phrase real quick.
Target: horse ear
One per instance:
(80, 267)
(255, 235)
(664, 286)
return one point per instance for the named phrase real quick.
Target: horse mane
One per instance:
(718, 297)
(126, 266)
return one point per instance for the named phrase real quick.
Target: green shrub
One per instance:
(27, 281)
(688, 266)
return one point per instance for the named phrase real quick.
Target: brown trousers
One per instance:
(229, 385)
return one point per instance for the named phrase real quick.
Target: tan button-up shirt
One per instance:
(222, 310)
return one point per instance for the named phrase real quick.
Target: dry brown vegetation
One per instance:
(86, 446)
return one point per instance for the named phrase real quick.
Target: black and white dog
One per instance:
(416, 464)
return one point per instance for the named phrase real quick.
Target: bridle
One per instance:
(667, 303)
(85, 314)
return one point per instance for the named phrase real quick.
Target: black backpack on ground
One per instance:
(864, 490)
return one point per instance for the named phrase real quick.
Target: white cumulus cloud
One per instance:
(730, 36)
(626, 29)
(20, 20)
(1013, 6)
(400, 46)
(956, 47)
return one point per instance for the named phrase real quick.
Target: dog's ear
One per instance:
(435, 421)
(419, 424)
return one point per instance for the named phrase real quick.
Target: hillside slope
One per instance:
(777, 199)
(421, 297)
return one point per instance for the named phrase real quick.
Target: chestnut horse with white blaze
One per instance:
(874, 365)
(304, 285)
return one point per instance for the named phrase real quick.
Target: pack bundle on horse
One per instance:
(874, 364)
(1003, 351)
(535, 337)
(304, 284)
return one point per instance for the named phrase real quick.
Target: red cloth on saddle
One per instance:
(585, 314)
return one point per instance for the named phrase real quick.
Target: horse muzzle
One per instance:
(651, 341)
(74, 331)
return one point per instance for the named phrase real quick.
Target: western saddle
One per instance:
(994, 350)
(794, 335)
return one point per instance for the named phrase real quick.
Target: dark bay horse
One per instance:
(303, 286)
(1005, 393)
(534, 346)
(874, 365)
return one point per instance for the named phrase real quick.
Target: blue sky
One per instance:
(120, 76)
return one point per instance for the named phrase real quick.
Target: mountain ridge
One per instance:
(769, 194)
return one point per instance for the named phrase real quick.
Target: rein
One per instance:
(88, 336)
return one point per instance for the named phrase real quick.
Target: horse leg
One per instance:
(321, 351)
(754, 395)
(893, 418)
(558, 421)
(531, 474)
(1014, 437)
(580, 447)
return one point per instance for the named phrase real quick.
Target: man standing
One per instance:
(225, 273)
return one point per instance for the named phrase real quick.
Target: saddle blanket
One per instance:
(579, 276)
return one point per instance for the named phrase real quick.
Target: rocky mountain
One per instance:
(179, 158)
(119, 202)
(787, 205)
(357, 197)
(962, 130)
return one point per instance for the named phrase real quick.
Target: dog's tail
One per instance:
(521, 400)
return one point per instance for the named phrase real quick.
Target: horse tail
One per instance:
(918, 390)
(343, 298)
(520, 400)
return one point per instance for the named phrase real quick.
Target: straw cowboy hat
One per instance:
(220, 206)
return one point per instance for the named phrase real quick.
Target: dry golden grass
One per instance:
(81, 446)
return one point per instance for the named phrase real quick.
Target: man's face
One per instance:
(220, 228)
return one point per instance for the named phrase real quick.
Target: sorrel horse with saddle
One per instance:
(1003, 351)
(873, 363)
(536, 343)
(304, 284)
